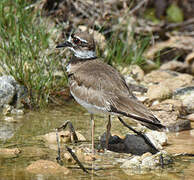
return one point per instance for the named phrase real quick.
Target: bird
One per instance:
(99, 87)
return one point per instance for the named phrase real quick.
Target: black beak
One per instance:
(65, 44)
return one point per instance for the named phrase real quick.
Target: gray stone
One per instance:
(164, 89)
(10, 91)
(174, 66)
(186, 95)
(132, 163)
(46, 167)
(147, 162)
(180, 125)
(7, 129)
(159, 139)
(7, 90)
(168, 112)
(190, 117)
(6, 152)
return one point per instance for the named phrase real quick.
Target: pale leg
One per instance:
(93, 126)
(108, 127)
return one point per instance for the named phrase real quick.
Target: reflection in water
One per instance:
(23, 135)
(7, 129)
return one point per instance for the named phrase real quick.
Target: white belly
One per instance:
(93, 109)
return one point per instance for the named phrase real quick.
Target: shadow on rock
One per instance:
(133, 144)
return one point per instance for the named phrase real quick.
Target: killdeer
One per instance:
(100, 88)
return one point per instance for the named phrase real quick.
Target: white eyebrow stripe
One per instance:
(83, 40)
(69, 39)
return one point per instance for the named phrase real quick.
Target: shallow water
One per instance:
(22, 132)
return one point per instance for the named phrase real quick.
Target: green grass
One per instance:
(28, 53)
(124, 49)
(24, 50)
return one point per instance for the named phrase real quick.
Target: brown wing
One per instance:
(100, 76)
(103, 85)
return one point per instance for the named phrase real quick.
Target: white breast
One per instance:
(90, 107)
(68, 67)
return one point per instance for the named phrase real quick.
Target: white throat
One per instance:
(83, 54)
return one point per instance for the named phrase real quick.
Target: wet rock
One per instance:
(7, 89)
(6, 152)
(159, 139)
(132, 144)
(68, 158)
(8, 109)
(10, 119)
(146, 162)
(17, 111)
(10, 91)
(84, 155)
(8, 128)
(46, 167)
(190, 117)
(150, 162)
(180, 125)
(186, 95)
(174, 66)
(165, 88)
(168, 112)
(64, 137)
(133, 162)
(145, 155)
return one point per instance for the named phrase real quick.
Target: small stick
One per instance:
(58, 147)
(161, 161)
(71, 128)
(76, 159)
(72, 131)
(185, 154)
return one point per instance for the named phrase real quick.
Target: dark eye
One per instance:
(76, 40)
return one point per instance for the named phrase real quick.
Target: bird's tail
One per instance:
(152, 123)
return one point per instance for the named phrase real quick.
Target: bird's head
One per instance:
(81, 44)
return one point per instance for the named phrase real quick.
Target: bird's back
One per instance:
(99, 84)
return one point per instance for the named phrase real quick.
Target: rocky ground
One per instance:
(168, 93)
(167, 90)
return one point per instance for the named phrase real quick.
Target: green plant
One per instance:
(125, 49)
(24, 50)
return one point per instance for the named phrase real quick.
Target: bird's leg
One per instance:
(108, 127)
(93, 126)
